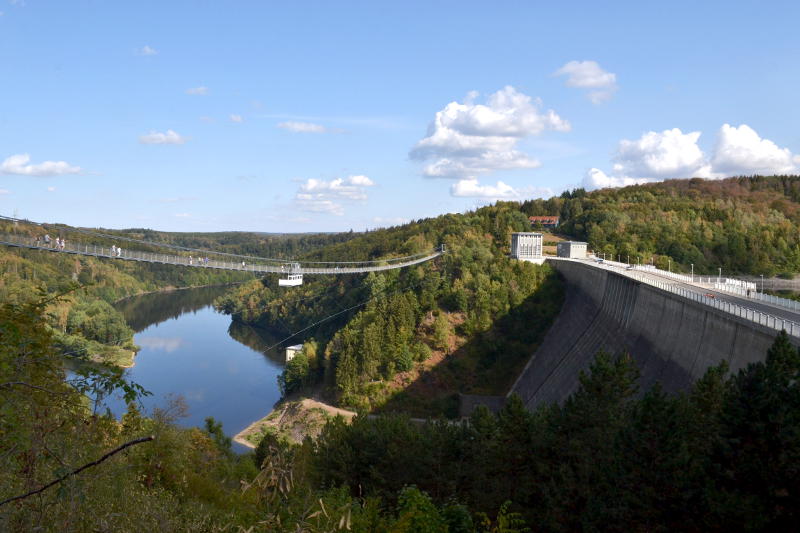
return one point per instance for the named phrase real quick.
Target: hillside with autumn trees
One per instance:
(412, 339)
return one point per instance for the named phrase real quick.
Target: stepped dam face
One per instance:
(673, 340)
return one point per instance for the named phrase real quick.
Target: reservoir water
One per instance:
(220, 368)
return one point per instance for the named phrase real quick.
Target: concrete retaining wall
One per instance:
(672, 339)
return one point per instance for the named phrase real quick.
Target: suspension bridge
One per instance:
(190, 257)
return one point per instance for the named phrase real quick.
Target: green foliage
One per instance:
(744, 225)
(441, 332)
(97, 320)
(470, 290)
(295, 376)
(722, 457)
(417, 513)
(222, 441)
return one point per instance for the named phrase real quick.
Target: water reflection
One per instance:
(260, 340)
(143, 311)
(221, 369)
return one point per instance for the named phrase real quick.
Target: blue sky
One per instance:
(327, 116)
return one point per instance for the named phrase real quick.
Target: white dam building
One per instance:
(571, 249)
(526, 246)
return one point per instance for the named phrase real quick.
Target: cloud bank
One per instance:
(467, 139)
(197, 91)
(673, 154)
(20, 164)
(168, 137)
(147, 51)
(320, 196)
(589, 75)
(303, 127)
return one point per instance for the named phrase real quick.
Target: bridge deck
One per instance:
(254, 265)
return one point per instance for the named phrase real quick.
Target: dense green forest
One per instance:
(743, 225)
(273, 245)
(721, 457)
(466, 322)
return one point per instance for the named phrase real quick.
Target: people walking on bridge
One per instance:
(190, 259)
(119, 251)
(47, 239)
(63, 244)
(113, 250)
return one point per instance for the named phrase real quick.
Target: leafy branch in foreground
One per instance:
(78, 470)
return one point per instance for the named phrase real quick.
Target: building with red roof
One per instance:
(546, 221)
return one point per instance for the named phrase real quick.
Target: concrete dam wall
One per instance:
(672, 339)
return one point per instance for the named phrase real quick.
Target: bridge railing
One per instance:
(82, 248)
(746, 289)
(754, 315)
(786, 303)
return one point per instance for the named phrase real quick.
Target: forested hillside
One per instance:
(722, 457)
(743, 225)
(84, 322)
(466, 322)
(275, 245)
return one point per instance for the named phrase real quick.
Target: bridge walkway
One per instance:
(255, 265)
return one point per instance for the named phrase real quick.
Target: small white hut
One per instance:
(291, 351)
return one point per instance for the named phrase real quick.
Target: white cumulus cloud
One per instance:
(669, 154)
(5, 191)
(147, 51)
(472, 189)
(320, 196)
(385, 222)
(468, 139)
(741, 151)
(21, 164)
(237, 118)
(674, 154)
(168, 137)
(589, 75)
(197, 91)
(303, 127)
(597, 179)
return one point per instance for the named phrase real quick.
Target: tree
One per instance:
(295, 376)
(759, 451)
(441, 332)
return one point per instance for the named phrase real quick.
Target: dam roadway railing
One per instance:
(753, 315)
(254, 265)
